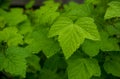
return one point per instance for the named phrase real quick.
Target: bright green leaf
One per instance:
(89, 28)
(72, 35)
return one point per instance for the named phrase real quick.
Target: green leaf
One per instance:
(11, 36)
(13, 61)
(11, 20)
(113, 10)
(38, 41)
(89, 28)
(92, 48)
(112, 64)
(72, 35)
(83, 68)
(47, 13)
(107, 43)
(25, 27)
(33, 63)
(74, 10)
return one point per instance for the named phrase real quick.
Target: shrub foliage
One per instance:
(60, 41)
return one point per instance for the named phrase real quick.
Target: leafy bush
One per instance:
(61, 41)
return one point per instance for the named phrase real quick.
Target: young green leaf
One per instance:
(72, 35)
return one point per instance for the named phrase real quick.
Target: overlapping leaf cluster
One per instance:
(61, 41)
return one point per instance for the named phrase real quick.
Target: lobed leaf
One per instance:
(72, 35)
(83, 68)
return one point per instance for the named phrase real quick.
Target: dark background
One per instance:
(37, 2)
